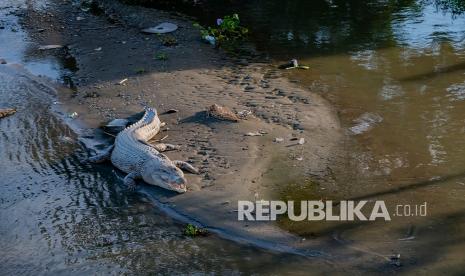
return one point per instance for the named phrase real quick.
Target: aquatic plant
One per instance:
(194, 231)
(227, 30)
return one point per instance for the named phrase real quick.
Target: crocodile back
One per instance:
(130, 152)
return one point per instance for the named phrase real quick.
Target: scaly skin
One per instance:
(133, 155)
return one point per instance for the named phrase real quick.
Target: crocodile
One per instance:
(132, 154)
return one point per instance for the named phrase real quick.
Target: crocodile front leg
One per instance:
(185, 166)
(161, 147)
(130, 180)
(104, 156)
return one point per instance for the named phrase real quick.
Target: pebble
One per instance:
(301, 141)
(278, 140)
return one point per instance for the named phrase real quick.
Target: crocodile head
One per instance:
(165, 175)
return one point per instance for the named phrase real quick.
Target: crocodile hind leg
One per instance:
(104, 156)
(165, 147)
(130, 180)
(185, 166)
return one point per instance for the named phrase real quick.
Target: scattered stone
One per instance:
(4, 112)
(162, 28)
(300, 158)
(222, 113)
(170, 111)
(249, 88)
(278, 140)
(301, 141)
(243, 114)
(50, 47)
(91, 94)
(292, 64)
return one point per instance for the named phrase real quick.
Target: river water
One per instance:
(394, 70)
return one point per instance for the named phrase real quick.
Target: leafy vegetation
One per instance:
(194, 231)
(227, 30)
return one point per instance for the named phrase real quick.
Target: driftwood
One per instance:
(7, 112)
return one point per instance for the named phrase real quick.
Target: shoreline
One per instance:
(194, 76)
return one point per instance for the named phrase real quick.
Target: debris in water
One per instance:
(222, 113)
(162, 28)
(98, 49)
(50, 47)
(210, 39)
(2, 61)
(395, 260)
(7, 112)
(292, 64)
(365, 122)
(73, 115)
(121, 82)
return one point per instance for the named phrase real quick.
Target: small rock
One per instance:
(301, 141)
(278, 140)
(222, 113)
